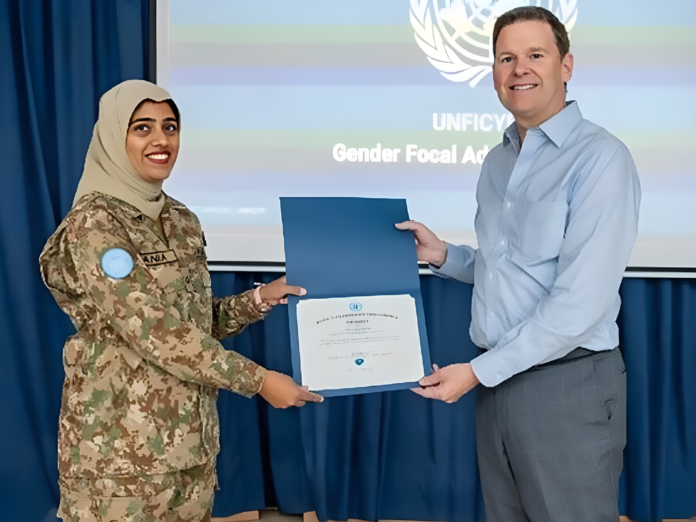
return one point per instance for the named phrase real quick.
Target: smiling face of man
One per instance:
(529, 72)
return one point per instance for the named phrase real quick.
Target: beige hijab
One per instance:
(108, 168)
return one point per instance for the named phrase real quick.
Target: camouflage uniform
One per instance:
(139, 430)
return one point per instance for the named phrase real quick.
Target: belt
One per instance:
(578, 353)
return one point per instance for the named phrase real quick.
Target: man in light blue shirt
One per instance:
(557, 217)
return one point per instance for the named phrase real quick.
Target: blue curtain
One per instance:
(56, 59)
(380, 456)
(658, 337)
(390, 455)
(397, 456)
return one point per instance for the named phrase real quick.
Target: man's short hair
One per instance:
(532, 13)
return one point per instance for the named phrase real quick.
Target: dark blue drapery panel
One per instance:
(391, 455)
(658, 336)
(56, 59)
(398, 456)
(262, 463)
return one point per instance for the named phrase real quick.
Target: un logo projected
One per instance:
(355, 307)
(455, 35)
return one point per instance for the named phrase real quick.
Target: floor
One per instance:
(267, 515)
(272, 515)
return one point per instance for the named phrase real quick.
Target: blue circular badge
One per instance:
(117, 263)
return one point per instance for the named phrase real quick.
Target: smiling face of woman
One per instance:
(152, 142)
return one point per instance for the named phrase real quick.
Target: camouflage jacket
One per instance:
(143, 369)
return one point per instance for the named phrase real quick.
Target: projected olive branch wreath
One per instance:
(458, 41)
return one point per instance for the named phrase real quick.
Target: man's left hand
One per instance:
(448, 384)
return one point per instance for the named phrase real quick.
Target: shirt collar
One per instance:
(512, 136)
(557, 129)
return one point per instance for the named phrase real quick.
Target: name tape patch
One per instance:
(158, 258)
(117, 263)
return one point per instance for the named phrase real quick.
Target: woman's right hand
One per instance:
(280, 391)
(276, 292)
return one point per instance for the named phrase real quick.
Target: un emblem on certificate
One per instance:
(359, 361)
(455, 35)
(355, 307)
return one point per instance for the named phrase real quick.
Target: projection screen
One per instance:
(394, 98)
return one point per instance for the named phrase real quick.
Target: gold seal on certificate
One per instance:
(355, 342)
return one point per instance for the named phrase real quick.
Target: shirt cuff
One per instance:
(456, 260)
(250, 377)
(257, 308)
(258, 380)
(489, 369)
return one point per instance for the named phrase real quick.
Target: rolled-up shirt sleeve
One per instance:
(602, 227)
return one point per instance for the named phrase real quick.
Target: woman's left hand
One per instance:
(274, 293)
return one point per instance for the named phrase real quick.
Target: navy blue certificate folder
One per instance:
(345, 247)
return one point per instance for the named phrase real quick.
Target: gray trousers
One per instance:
(550, 441)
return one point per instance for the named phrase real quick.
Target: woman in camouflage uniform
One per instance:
(138, 432)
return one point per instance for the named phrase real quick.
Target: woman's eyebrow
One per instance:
(141, 119)
(152, 120)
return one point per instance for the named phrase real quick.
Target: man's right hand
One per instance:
(280, 391)
(429, 248)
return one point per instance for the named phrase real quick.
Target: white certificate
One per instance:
(354, 342)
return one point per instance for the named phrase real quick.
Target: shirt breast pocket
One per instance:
(169, 277)
(541, 229)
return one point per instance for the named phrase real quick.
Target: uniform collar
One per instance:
(136, 213)
(126, 207)
(557, 129)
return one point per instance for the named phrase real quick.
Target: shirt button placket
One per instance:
(519, 172)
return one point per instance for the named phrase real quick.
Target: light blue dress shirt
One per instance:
(556, 222)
